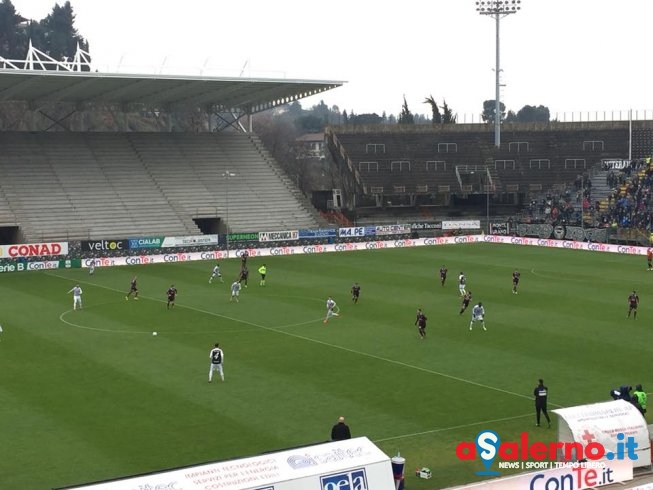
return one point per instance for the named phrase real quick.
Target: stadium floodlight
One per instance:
(227, 175)
(498, 9)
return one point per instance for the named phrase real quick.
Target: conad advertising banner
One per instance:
(354, 464)
(33, 250)
(189, 241)
(559, 476)
(278, 236)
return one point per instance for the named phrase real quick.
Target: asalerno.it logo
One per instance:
(525, 454)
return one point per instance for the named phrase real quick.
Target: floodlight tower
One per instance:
(497, 9)
(227, 175)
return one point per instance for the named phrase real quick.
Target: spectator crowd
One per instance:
(627, 205)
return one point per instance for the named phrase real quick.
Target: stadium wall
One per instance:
(22, 264)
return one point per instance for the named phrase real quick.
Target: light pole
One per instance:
(227, 175)
(497, 9)
(487, 201)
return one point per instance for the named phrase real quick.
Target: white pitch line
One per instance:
(455, 427)
(109, 330)
(333, 346)
(61, 317)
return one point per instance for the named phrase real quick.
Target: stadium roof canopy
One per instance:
(246, 95)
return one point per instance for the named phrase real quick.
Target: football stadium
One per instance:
(477, 316)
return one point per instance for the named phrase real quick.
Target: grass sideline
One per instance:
(92, 395)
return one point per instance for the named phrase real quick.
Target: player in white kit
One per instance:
(478, 315)
(77, 297)
(332, 309)
(216, 273)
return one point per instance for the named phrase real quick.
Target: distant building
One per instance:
(310, 145)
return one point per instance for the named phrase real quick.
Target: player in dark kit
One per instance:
(355, 292)
(466, 299)
(515, 281)
(633, 303)
(443, 275)
(420, 321)
(243, 260)
(172, 294)
(244, 274)
(133, 289)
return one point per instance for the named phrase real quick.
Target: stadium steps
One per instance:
(96, 185)
(600, 189)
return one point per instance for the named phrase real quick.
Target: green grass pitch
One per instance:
(91, 395)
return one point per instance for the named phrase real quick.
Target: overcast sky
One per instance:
(569, 55)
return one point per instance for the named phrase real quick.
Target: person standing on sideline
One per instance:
(461, 283)
(478, 315)
(217, 359)
(133, 288)
(541, 393)
(172, 294)
(633, 303)
(263, 271)
(216, 273)
(515, 281)
(77, 297)
(420, 321)
(355, 292)
(649, 258)
(340, 431)
(642, 397)
(332, 309)
(443, 275)
(235, 291)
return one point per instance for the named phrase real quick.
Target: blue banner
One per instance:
(146, 242)
(321, 233)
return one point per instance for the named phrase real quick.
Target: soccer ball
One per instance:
(154, 333)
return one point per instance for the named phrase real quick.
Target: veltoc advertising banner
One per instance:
(104, 245)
